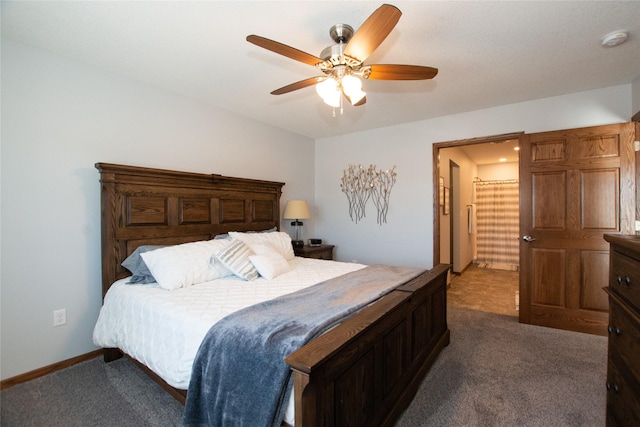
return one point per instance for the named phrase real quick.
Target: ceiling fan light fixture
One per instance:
(329, 91)
(333, 100)
(352, 87)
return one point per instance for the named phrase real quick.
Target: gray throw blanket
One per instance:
(239, 376)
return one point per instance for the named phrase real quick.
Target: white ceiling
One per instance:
(487, 53)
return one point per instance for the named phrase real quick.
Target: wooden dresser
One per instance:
(623, 369)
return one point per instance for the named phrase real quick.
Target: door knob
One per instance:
(528, 238)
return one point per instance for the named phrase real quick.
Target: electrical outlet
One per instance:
(637, 225)
(59, 317)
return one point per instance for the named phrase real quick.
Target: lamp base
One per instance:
(297, 244)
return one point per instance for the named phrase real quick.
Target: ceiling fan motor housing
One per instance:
(335, 63)
(332, 52)
(341, 33)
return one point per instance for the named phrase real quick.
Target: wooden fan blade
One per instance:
(373, 32)
(283, 49)
(401, 72)
(298, 85)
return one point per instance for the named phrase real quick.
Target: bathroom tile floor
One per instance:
(484, 289)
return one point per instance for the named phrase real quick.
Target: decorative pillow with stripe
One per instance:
(235, 256)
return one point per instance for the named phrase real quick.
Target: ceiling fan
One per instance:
(343, 63)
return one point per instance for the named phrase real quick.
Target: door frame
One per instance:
(437, 146)
(454, 219)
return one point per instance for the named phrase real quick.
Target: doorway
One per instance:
(575, 186)
(459, 164)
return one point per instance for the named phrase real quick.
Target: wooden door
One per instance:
(575, 186)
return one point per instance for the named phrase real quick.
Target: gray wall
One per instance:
(407, 238)
(58, 119)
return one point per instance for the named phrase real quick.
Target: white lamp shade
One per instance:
(351, 84)
(333, 100)
(296, 209)
(329, 91)
(327, 87)
(352, 87)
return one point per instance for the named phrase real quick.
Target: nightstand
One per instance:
(317, 252)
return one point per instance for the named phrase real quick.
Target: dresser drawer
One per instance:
(624, 338)
(624, 277)
(623, 367)
(623, 408)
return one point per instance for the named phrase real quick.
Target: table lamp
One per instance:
(296, 210)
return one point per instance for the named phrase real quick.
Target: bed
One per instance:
(383, 350)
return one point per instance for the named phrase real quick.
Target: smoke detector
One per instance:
(615, 38)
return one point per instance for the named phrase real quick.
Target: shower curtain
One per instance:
(497, 213)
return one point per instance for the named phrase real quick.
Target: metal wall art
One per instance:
(361, 184)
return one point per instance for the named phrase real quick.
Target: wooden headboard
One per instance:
(144, 206)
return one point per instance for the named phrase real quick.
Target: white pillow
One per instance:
(270, 265)
(279, 240)
(263, 249)
(235, 256)
(184, 265)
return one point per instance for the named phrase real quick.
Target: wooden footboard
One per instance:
(367, 370)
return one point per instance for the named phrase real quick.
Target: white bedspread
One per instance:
(163, 329)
